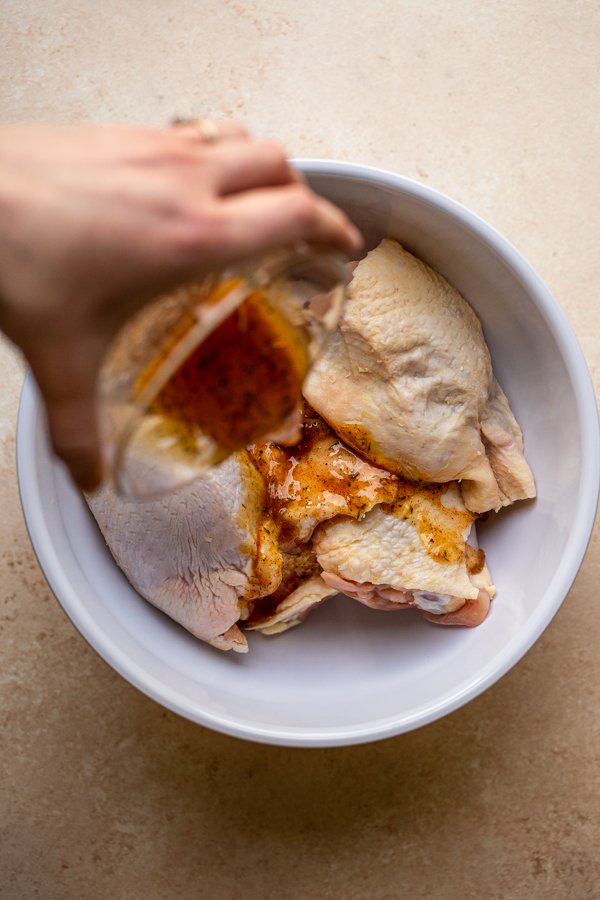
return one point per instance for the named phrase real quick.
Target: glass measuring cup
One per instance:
(215, 366)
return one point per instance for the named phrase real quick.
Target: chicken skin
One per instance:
(407, 381)
(410, 553)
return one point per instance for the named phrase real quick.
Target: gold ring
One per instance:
(206, 128)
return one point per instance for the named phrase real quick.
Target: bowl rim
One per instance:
(575, 549)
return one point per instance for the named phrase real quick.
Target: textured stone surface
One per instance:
(106, 795)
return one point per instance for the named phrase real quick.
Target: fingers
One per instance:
(264, 202)
(244, 165)
(237, 161)
(224, 129)
(267, 218)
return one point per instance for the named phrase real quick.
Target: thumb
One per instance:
(73, 426)
(67, 382)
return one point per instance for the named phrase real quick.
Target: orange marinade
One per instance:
(242, 381)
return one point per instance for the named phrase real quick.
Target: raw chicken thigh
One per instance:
(407, 381)
(199, 554)
(411, 553)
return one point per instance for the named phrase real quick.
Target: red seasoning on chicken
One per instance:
(408, 438)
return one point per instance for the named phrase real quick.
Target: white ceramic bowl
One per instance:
(350, 674)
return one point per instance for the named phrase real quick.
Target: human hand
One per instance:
(95, 221)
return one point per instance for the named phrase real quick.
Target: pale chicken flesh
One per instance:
(410, 553)
(202, 554)
(407, 381)
(378, 502)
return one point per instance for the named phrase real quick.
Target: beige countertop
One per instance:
(107, 795)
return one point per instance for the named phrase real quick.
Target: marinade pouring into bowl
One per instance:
(215, 366)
